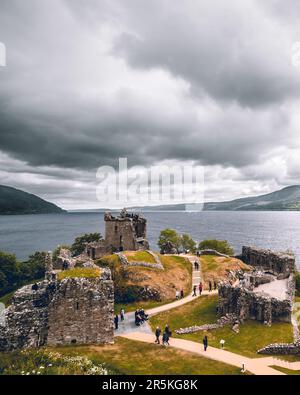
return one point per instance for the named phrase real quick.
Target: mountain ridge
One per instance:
(14, 201)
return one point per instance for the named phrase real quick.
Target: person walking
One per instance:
(177, 294)
(116, 320)
(222, 342)
(182, 294)
(200, 288)
(157, 335)
(205, 342)
(215, 285)
(165, 339)
(210, 286)
(122, 314)
(167, 331)
(194, 290)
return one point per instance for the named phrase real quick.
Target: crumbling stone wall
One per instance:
(277, 263)
(63, 312)
(246, 304)
(281, 349)
(81, 312)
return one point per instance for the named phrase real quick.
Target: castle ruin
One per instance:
(60, 312)
(266, 293)
(126, 232)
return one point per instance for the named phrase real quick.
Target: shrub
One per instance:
(188, 243)
(169, 235)
(221, 246)
(79, 244)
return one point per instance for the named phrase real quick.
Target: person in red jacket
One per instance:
(200, 288)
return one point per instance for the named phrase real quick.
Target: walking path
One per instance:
(257, 366)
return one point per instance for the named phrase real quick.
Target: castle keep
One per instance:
(124, 232)
(53, 312)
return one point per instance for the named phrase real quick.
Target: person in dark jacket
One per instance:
(182, 294)
(194, 290)
(215, 285)
(167, 331)
(116, 320)
(210, 286)
(205, 342)
(165, 339)
(200, 288)
(157, 335)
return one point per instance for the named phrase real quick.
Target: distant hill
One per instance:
(286, 199)
(15, 201)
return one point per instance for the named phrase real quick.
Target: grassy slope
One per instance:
(81, 272)
(253, 335)
(125, 357)
(287, 371)
(216, 268)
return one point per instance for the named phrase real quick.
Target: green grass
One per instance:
(139, 256)
(169, 261)
(253, 335)
(81, 272)
(124, 357)
(287, 371)
(7, 298)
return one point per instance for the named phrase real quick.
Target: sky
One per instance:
(186, 82)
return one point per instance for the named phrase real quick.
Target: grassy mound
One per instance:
(217, 268)
(253, 335)
(139, 256)
(80, 272)
(131, 281)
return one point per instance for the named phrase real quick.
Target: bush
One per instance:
(221, 246)
(14, 274)
(169, 235)
(79, 244)
(188, 243)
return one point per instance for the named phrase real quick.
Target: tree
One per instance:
(169, 235)
(221, 246)
(79, 244)
(188, 243)
(34, 268)
(9, 270)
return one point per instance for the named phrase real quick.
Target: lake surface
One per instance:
(24, 234)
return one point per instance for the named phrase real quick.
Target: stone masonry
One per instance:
(126, 232)
(250, 298)
(52, 312)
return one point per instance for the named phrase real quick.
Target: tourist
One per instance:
(195, 265)
(210, 286)
(182, 294)
(165, 339)
(205, 342)
(200, 288)
(194, 290)
(157, 335)
(167, 331)
(116, 320)
(215, 285)
(122, 314)
(222, 342)
(177, 294)
(35, 287)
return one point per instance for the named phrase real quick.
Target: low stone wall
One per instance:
(281, 349)
(124, 261)
(213, 253)
(277, 263)
(229, 319)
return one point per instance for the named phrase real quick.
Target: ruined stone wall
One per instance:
(281, 349)
(81, 312)
(59, 312)
(119, 234)
(277, 263)
(248, 305)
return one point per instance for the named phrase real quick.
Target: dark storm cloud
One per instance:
(90, 81)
